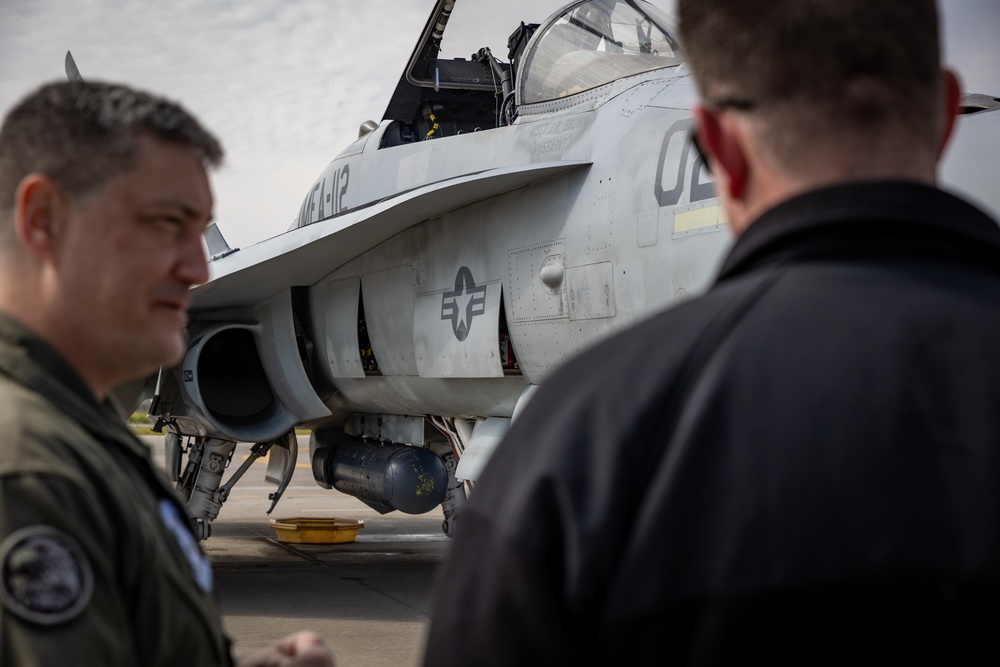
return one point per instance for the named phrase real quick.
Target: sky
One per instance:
(286, 85)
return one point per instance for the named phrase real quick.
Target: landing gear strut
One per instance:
(201, 482)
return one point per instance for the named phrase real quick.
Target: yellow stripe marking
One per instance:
(701, 218)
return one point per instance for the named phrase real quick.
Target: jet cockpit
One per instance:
(585, 45)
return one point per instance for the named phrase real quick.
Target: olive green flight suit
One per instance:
(98, 565)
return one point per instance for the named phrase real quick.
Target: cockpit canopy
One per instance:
(588, 44)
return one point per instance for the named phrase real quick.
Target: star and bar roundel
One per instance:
(463, 304)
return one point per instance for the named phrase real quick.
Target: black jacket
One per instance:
(801, 465)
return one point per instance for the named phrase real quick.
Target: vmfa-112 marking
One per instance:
(501, 218)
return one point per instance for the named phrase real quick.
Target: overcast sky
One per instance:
(286, 85)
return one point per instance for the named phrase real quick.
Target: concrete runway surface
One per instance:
(368, 599)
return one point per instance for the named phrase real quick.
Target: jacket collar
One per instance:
(33, 363)
(857, 210)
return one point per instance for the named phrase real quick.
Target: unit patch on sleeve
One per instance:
(45, 576)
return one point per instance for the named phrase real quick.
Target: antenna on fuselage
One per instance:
(72, 72)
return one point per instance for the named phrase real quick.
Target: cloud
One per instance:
(284, 85)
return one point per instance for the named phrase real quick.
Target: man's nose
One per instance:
(193, 262)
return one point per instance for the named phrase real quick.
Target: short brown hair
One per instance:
(865, 66)
(80, 133)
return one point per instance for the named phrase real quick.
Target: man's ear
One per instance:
(724, 151)
(951, 92)
(39, 209)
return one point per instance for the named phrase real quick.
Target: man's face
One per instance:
(129, 253)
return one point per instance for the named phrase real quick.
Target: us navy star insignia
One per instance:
(463, 304)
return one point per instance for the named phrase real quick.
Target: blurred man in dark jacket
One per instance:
(802, 466)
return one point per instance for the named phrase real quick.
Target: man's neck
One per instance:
(30, 311)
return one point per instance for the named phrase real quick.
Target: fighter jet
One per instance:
(503, 216)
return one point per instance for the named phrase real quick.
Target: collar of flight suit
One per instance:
(29, 360)
(845, 216)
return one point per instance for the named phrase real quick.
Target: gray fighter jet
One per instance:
(503, 216)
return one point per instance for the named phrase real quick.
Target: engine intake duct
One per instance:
(226, 388)
(232, 381)
(384, 477)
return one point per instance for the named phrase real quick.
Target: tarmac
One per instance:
(369, 599)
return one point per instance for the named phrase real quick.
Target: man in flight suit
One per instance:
(103, 200)
(802, 466)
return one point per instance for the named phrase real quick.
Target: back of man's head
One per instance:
(837, 73)
(80, 133)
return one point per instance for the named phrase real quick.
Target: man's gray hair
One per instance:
(80, 133)
(815, 66)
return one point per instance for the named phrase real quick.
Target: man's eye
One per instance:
(165, 223)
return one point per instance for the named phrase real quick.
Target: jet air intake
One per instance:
(243, 381)
(384, 477)
(226, 387)
(232, 380)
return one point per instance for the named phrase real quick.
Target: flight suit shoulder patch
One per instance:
(45, 576)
